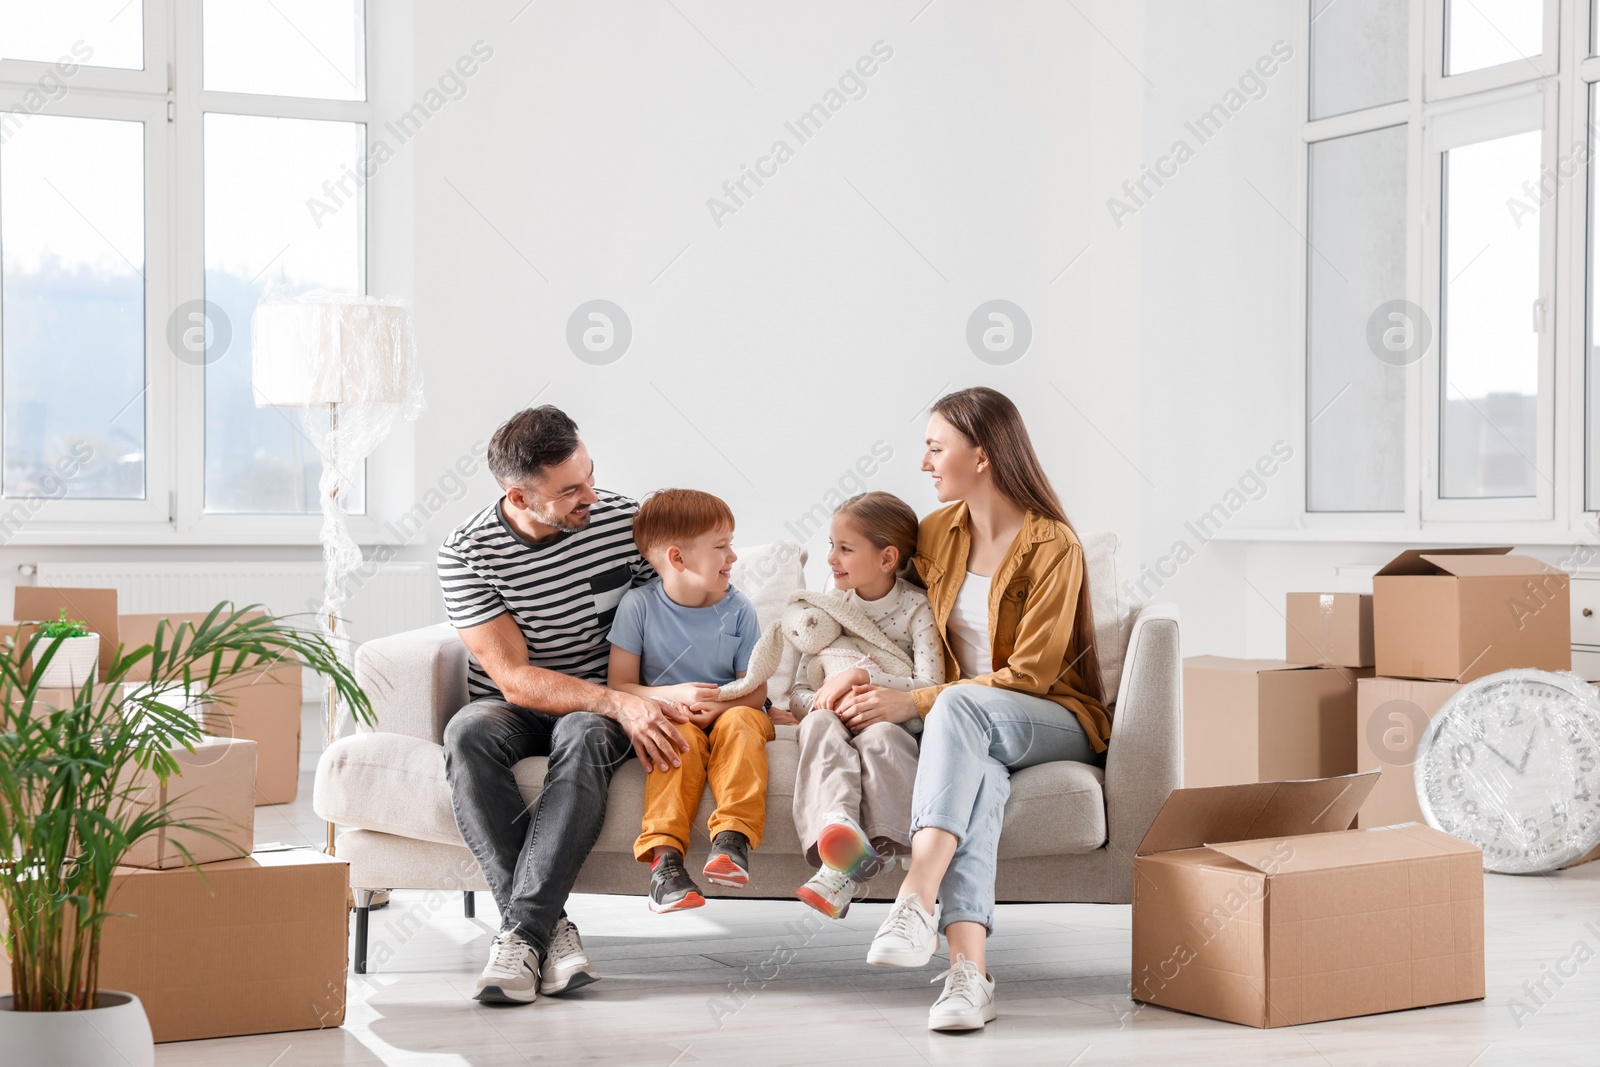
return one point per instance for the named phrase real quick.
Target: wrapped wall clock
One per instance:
(1511, 763)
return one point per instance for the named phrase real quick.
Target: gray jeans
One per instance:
(530, 858)
(973, 738)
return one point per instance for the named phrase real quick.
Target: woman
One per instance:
(1005, 574)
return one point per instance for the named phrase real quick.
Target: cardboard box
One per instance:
(255, 946)
(97, 607)
(1391, 716)
(1261, 720)
(215, 790)
(264, 707)
(1329, 629)
(1254, 904)
(1455, 614)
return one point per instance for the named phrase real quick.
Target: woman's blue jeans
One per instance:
(973, 738)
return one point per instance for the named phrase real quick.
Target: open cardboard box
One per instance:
(1455, 614)
(1255, 904)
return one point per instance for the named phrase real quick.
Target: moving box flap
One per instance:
(1420, 560)
(1191, 817)
(1345, 848)
(1244, 666)
(1477, 566)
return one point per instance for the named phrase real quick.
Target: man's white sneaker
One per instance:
(907, 938)
(566, 965)
(967, 1001)
(829, 891)
(512, 976)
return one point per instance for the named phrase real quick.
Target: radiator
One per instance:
(392, 598)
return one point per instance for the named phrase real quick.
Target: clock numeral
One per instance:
(1462, 755)
(1531, 829)
(1558, 815)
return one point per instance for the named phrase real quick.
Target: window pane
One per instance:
(101, 33)
(72, 349)
(1593, 407)
(1486, 33)
(286, 47)
(263, 176)
(1356, 272)
(1489, 397)
(1359, 54)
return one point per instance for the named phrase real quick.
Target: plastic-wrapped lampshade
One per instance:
(325, 348)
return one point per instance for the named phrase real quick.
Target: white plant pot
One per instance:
(75, 661)
(114, 1031)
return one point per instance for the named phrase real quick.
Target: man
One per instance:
(531, 584)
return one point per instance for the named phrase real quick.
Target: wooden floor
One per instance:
(709, 987)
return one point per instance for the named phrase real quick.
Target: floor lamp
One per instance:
(354, 359)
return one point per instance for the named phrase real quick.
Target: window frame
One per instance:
(168, 94)
(1563, 383)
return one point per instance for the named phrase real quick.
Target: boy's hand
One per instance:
(834, 689)
(704, 714)
(688, 693)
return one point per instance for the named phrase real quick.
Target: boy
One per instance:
(676, 639)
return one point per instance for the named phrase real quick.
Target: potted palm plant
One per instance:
(68, 813)
(70, 661)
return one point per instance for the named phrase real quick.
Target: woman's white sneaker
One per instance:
(566, 965)
(967, 1001)
(512, 976)
(907, 938)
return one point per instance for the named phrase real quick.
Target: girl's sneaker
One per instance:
(830, 892)
(844, 847)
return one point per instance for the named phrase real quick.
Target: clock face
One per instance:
(1512, 764)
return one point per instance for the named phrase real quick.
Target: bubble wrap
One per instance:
(349, 363)
(1511, 763)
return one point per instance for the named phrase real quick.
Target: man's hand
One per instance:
(837, 687)
(649, 725)
(867, 704)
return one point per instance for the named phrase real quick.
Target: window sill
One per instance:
(1543, 533)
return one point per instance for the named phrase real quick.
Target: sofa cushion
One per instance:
(395, 784)
(1113, 619)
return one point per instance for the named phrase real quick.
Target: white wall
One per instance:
(824, 315)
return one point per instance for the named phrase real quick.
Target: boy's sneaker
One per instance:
(566, 965)
(671, 888)
(729, 862)
(907, 938)
(844, 847)
(829, 891)
(967, 1001)
(512, 976)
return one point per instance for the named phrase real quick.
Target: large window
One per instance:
(162, 163)
(1446, 151)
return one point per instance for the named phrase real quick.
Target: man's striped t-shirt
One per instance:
(563, 593)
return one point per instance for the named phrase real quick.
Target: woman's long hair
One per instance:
(988, 419)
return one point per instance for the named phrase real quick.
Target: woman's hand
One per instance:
(782, 717)
(837, 687)
(867, 704)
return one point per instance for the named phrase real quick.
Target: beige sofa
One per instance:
(1070, 829)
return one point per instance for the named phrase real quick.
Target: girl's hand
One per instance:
(867, 704)
(837, 687)
(782, 717)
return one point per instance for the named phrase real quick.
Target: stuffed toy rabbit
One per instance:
(835, 632)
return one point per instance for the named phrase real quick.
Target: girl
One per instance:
(852, 794)
(1005, 575)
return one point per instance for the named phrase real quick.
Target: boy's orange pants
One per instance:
(732, 755)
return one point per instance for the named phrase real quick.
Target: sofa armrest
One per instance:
(416, 680)
(1144, 762)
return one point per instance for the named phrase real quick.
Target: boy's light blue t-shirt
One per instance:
(676, 644)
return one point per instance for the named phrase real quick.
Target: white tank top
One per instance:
(968, 626)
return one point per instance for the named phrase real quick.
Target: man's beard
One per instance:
(571, 521)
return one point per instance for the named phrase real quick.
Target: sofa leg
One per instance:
(469, 904)
(363, 908)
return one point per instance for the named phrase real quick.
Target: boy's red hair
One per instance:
(672, 516)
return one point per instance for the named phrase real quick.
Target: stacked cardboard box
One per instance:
(262, 705)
